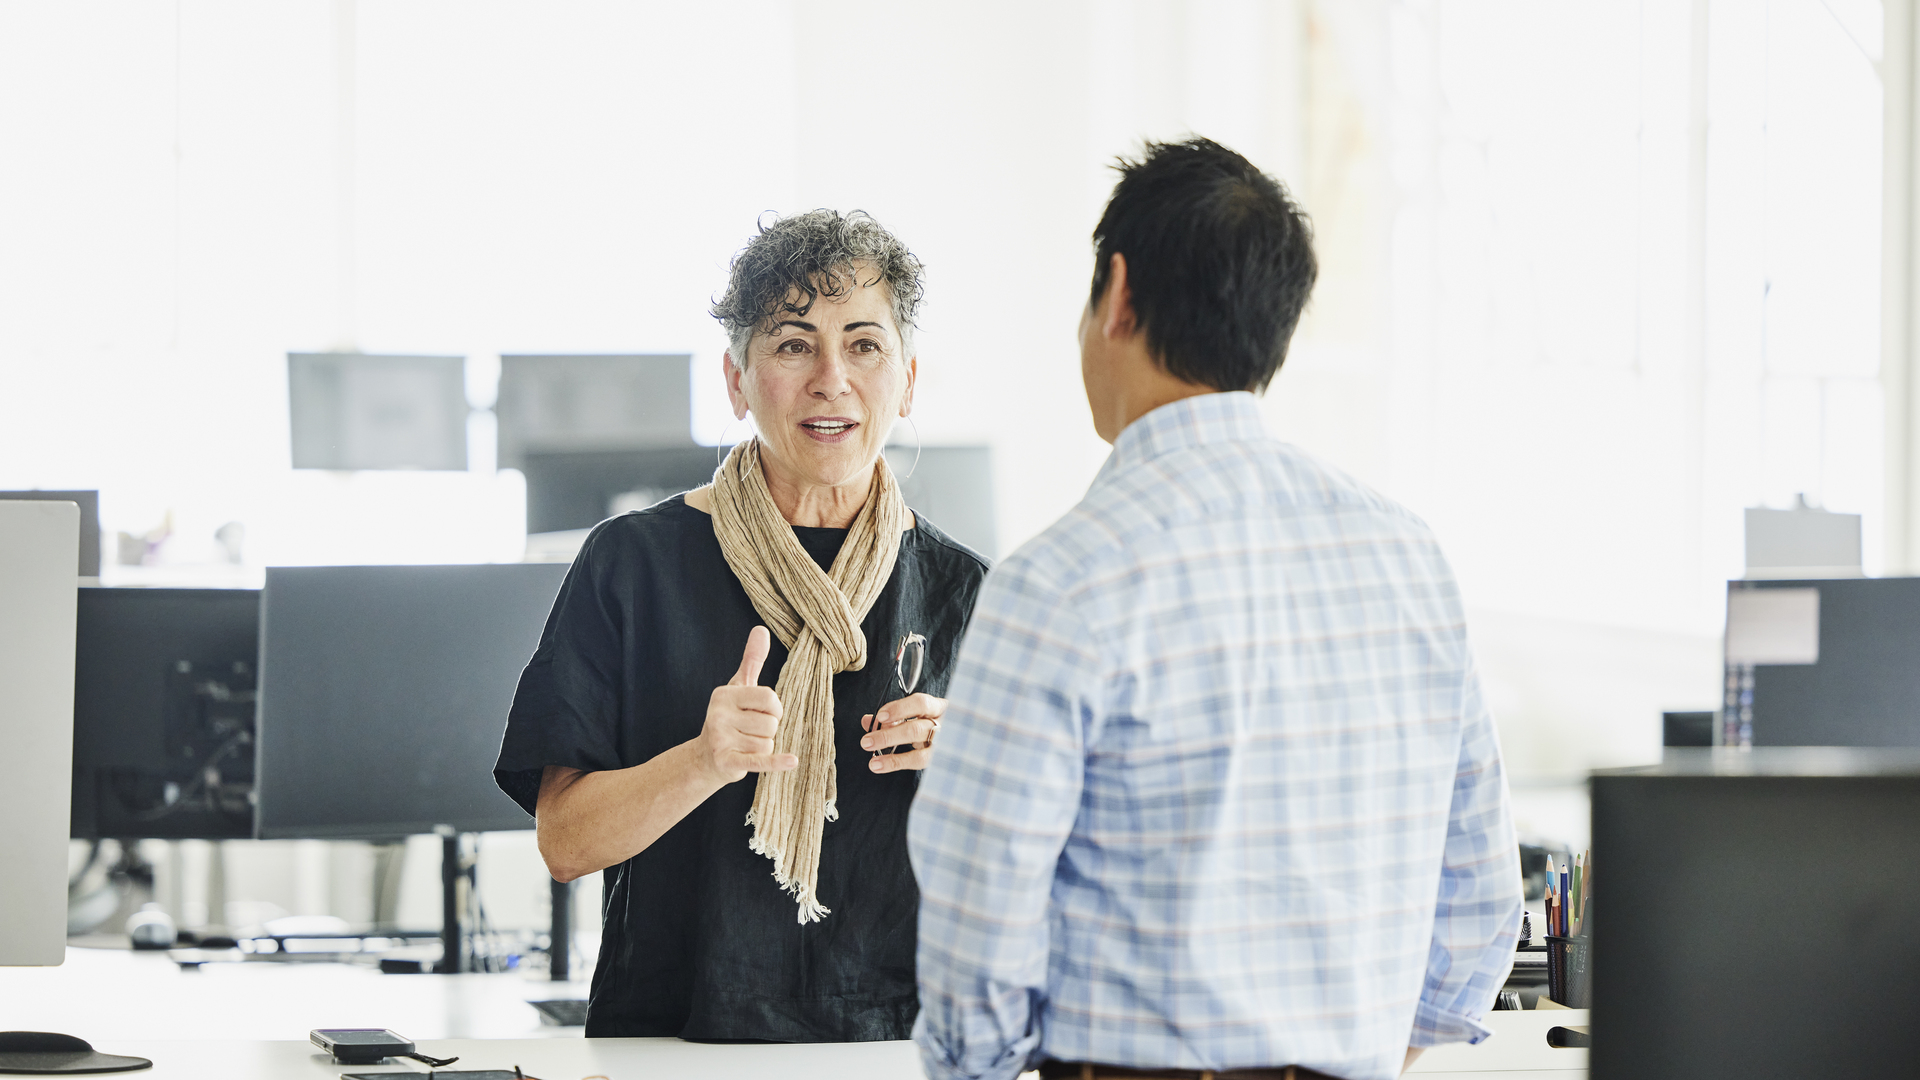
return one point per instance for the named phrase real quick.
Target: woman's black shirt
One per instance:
(698, 940)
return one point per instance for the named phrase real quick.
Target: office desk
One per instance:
(104, 995)
(249, 1022)
(1517, 1052)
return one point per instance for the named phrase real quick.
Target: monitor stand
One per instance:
(560, 939)
(452, 952)
(452, 935)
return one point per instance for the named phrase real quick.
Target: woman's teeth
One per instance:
(828, 427)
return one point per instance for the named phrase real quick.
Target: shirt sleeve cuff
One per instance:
(1435, 1027)
(1011, 1062)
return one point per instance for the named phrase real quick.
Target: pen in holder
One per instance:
(1570, 970)
(908, 659)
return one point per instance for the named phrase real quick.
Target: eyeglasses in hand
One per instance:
(909, 658)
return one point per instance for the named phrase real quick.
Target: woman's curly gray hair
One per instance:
(797, 260)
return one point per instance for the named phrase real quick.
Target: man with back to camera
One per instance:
(1219, 793)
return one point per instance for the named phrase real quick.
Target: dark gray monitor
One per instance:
(581, 404)
(1687, 728)
(1752, 915)
(579, 490)
(353, 411)
(383, 692)
(1864, 688)
(953, 486)
(89, 503)
(163, 721)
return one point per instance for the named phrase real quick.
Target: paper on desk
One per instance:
(1773, 626)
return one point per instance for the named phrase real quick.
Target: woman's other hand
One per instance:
(742, 718)
(910, 721)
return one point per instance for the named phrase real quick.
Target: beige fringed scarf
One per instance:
(817, 616)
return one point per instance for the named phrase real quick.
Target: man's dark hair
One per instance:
(1219, 261)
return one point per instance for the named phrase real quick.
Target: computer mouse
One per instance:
(151, 928)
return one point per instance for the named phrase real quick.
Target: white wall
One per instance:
(1594, 276)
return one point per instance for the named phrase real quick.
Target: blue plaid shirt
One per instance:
(1216, 787)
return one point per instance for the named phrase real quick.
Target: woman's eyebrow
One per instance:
(852, 326)
(807, 326)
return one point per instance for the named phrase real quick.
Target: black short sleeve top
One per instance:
(698, 940)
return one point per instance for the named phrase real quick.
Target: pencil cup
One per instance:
(1570, 971)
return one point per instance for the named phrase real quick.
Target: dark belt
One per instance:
(1086, 1070)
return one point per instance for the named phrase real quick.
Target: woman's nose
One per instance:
(830, 379)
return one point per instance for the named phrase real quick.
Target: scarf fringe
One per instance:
(811, 910)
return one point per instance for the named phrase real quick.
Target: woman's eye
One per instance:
(866, 346)
(796, 346)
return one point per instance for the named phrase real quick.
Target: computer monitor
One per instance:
(89, 504)
(953, 486)
(39, 550)
(163, 713)
(1860, 679)
(578, 404)
(383, 693)
(1751, 914)
(1687, 728)
(579, 490)
(354, 411)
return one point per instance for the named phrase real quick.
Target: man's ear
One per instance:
(1117, 319)
(735, 396)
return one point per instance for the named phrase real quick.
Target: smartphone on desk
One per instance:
(443, 1074)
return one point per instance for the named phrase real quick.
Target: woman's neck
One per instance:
(821, 506)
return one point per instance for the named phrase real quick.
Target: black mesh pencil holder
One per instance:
(1570, 971)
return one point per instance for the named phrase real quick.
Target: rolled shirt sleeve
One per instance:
(993, 812)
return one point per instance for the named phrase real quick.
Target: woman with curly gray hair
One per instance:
(784, 910)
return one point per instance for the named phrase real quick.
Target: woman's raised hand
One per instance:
(742, 717)
(911, 722)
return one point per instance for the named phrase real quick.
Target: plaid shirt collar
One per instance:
(1189, 422)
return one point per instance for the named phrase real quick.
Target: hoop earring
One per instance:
(721, 446)
(916, 448)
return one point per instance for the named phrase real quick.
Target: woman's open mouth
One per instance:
(828, 428)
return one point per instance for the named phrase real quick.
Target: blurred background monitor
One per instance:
(1687, 728)
(89, 504)
(354, 411)
(1802, 542)
(953, 486)
(383, 694)
(39, 543)
(1751, 915)
(578, 490)
(163, 713)
(573, 404)
(1859, 682)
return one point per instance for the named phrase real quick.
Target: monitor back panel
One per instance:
(89, 504)
(39, 550)
(1754, 926)
(580, 490)
(1865, 688)
(163, 689)
(953, 487)
(574, 404)
(352, 411)
(384, 691)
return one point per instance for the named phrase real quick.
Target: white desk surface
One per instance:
(250, 1022)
